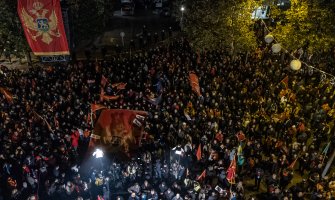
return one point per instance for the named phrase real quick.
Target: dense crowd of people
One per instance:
(275, 122)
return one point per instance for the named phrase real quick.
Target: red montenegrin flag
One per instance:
(231, 172)
(291, 166)
(126, 125)
(119, 86)
(95, 107)
(8, 95)
(199, 152)
(194, 83)
(106, 97)
(43, 26)
(104, 81)
(202, 175)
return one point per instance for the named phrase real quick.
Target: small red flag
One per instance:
(104, 81)
(202, 175)
(106, 97)
(33, 84)
(121, 86)
(199, 152)
(231, 172)
(8, 95)
(291, 166)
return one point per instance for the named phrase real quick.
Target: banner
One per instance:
(122, 127)
(194, 83)
(43, 26)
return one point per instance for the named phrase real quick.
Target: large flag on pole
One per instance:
(231, 172)
(43, 26)
(125, 126)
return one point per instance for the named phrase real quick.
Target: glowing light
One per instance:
(98, 153)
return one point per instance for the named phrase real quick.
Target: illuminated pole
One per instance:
(328, 165)
(182, 9)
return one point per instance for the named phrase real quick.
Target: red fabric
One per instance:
(26, 169)
(231, 172)
(291, 166)
(56, 122)
(199, 152)
(95, 107)
(198, 58)
(106, 97)
(43, 26)
(194, 83)
(102, 94)
(75, 138)
(33, 84)
(301, 127)
(240, 136)
(121, 86)
(202, 175)
(120, 123)
(8, 95)
(104, 81)
(219, 137)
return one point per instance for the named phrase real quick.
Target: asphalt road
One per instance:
(132, 27)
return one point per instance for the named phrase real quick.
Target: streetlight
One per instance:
(98, 153)
(182, 9)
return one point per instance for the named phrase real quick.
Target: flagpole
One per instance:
(325, 151)
(329, 163)
(92, 123)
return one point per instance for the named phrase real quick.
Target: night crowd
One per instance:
(253, 108)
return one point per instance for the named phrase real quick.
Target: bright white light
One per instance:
(98, 153)
(179, 152)
(182, 8)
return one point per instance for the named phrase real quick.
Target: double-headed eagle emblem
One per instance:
(40, 25)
